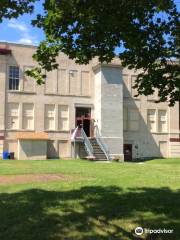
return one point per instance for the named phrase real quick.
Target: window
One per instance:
(63, 117)
(133, 120)
(162, 120)
(13, 115)
(151, 119)
(13, 78)
(125, 119)
(50, 117)
(161, 115)
(28, 116)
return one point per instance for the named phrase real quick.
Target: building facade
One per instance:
(38, 121)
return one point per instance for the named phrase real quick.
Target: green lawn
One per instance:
(99, 201)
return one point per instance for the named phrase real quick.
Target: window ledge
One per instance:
(21, 92)
(161, 133)
(57, 131)
(66, 95)
(19, 130)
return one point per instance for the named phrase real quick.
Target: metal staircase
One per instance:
(93, 147)
(97, 151)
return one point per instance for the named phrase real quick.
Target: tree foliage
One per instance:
(14, 8)
(147, 31)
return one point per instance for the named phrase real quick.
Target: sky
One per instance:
(21, 31)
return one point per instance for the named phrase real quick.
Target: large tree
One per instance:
(147, 32)
(13, 8)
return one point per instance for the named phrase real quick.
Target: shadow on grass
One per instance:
(88, 213)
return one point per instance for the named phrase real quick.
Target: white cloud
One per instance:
(16, 25)
(25, 41)
(26, 37)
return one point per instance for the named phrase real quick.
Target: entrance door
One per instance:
(83, 119)
(128, 152)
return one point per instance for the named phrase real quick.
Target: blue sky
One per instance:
(21, 31)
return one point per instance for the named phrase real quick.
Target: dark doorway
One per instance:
(128, 152)
(86, 126)
(83, 119)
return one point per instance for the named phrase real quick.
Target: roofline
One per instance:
(18, 44)
(112, 65)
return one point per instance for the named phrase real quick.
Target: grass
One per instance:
(102, 201)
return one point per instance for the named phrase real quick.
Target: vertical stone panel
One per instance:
(62, 82)
(51, 82)
(28, 82)
(85, 83)
(74, 83)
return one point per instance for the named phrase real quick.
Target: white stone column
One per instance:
(109, 106)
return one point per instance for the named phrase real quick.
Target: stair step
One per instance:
(100, 156)
(98, 153)
(101, 153)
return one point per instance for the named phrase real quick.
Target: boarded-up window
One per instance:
(50, 117)
(62, 82)
(63, 149)
(74, 83)
(151, 119)
(13, 115)
(85, 83)
(28, 116)
(63, 118)
(162, 120)
(163, 147)
(126, 92)
(133, 120)
(125, 118)
(28, 82)
(51, 82)
(133, 82)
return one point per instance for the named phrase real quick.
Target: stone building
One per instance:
(39, 122)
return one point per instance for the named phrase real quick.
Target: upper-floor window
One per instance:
(13, 78)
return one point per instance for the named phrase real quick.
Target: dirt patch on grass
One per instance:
(33, 178)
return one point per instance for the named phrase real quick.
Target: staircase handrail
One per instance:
(101, 142)
(73, 135)
(87, 143)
